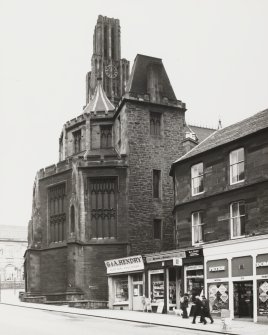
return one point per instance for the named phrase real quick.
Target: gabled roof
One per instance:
(229, 134)
(139, 80)
(99, 102)
(201, 132)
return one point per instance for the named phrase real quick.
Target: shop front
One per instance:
(152, 280)
(193, 273)
(239, 280)
(126, 283)
(262, 285)
(163, 274)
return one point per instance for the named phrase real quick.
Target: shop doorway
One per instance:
(137, 292)
(243, 299)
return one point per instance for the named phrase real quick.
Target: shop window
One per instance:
(157, 230)
(157, 287)
(263, 298)
(77, 141)
(121, 289)
(197, 178)
(103, 203)
(57, 216)
(156, 184)
(197, 228)
(218, 297)
(194, 280)
(155, 124)
(237, 215)
(237, 166)
(106, 136)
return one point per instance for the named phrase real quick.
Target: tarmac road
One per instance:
(16, 320)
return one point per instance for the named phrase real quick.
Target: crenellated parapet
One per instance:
(147, 98)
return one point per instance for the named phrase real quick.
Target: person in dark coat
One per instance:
(206, 309)
(184, 306)
(199, 310)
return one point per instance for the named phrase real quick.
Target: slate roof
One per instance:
(99, 102)
(229, 134)
(138, 79)
(201, 132)
(13, 233)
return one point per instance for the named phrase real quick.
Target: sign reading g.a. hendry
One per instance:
(126, 264)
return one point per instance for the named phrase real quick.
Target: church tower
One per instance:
(106, 61)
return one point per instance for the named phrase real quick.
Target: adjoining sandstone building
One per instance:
(221, 209)
(110, 195)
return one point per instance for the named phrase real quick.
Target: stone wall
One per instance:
(145, 153)
(219, 194)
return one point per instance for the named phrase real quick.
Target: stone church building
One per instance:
(110, 195)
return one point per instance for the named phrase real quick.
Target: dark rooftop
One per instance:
(231, 133)
(146, 72)
(201, 132)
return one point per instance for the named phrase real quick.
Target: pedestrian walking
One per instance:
(199, 310)
(184, 306)
(206, 309)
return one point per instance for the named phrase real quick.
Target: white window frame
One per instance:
(199, 224)
(195, 176)
(234, 163)
(232, 218)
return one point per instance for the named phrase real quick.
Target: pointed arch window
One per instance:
(103, 207)
(77, 141)
(106, 136)
(155, 124)
(57, 215)
(72, 228)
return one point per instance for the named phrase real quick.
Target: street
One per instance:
(20, 320)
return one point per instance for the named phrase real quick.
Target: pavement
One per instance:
(236, 327)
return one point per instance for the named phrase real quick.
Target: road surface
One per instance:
(16, 320)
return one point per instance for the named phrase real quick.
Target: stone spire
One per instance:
(99, 103)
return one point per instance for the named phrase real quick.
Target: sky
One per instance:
(215, 53)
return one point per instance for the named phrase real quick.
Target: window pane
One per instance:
(241, 173)
(235, 209)
(240, 154)
(242, 225)
(241, 208)
(197, 178)
(237, 166)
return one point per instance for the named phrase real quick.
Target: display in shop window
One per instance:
(158, 291)
(218, 297)
(121, 290)
(263, 298)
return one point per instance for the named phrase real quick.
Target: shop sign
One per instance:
(216, 268)
(195, 267)
(261, 264)
(194, 253)
(165, 257)
(177, 261)
(126, 264)
(153, 272)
